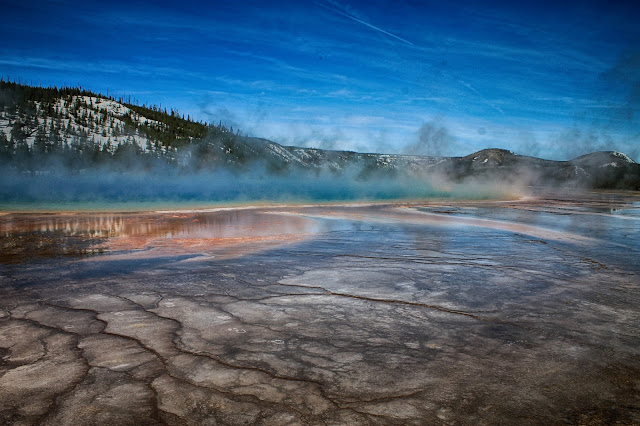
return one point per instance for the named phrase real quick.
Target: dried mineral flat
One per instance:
(518, 312)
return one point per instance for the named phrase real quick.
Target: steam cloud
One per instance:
(433, 139)
(614, 125)
(211, 187)
(195, 180)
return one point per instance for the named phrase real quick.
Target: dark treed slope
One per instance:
(72, 129)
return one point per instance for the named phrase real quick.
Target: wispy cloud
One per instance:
(474, 90)
(367, 24)
(102, 67)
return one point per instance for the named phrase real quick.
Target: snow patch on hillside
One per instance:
(99, 120)
(624, 157)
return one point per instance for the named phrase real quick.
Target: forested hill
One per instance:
(71, 130)
(81, 128)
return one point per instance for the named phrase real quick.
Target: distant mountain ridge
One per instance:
(43, 128)
(603, 169)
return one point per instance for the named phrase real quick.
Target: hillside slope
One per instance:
(44, 128)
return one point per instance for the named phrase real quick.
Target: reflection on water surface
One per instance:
(28, 236)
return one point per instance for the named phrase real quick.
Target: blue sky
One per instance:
(553, 79)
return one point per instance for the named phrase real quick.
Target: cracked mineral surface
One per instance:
(515, 312)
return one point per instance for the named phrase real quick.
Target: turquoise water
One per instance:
(107, 191)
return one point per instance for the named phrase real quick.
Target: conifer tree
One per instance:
(6, 147)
